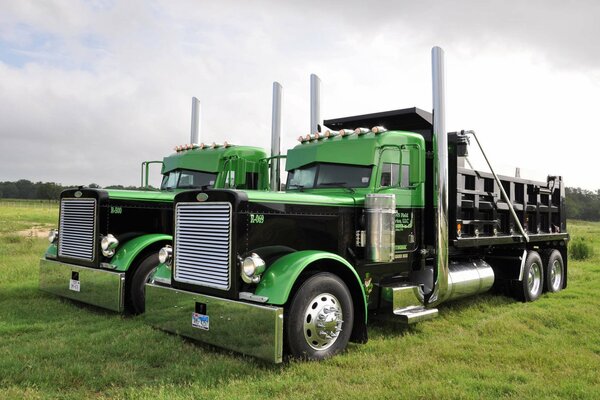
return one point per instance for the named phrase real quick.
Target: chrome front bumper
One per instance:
(89, 285)
(252, 329)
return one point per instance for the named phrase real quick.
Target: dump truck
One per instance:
(105, 248)
(379, 214)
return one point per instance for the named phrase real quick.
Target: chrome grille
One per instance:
(202, 244)
(77, 223)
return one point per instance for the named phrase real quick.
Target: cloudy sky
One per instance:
(90, 89)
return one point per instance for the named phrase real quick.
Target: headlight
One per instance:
(53, 235)
(108, 244)
(252, 268)
(165, 255)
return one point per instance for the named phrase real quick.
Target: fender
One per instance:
(52, 251)
(127, 252)
(279, 279)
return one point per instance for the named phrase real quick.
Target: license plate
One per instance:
(74, 285)
(200, 321)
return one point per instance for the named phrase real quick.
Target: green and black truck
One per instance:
(105, 248)
(378, 214)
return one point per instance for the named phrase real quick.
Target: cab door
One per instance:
(398, 175)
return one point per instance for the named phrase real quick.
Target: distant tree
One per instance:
(94, 186)
(26, 189)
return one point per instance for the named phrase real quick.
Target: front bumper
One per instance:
(252, 329)
(89, 285)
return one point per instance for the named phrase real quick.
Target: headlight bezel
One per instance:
(108, 245)
(53, 236)
(251, 268)
(165, 255)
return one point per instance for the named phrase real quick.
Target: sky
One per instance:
(90, 89)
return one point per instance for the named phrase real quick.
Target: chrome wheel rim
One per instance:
(556, 273)
(534, 278)
(323, 321)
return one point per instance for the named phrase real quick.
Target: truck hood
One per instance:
(321, 199)
(142, 195)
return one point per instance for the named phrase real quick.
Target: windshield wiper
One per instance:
(341, 185)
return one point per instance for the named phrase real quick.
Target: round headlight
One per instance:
(108, 244)
(165, 254)
(252, 268)
(53, 235)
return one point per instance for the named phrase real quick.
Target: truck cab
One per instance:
(105, 247)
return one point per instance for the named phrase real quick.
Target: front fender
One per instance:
(279, 279)
(128, 251)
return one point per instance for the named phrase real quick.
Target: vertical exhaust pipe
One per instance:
(440, 149)
(195, 131)
(276, 137)
(315, 104)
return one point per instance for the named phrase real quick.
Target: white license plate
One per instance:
(74, 285)
(200, 321)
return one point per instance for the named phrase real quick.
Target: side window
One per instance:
(389, 175)
(405, 169)
(230, 179)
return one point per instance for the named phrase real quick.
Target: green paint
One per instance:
(162, 272)
(212, 160)
(353, 149)
(279, 278)
(52, 251)
(129, 251)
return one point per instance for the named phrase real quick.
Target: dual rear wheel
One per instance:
(540, 273)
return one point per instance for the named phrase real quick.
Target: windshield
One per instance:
(186, 179)
(321, 175)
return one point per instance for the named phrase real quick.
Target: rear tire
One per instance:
(320, 318)
(530, 288)
(140, 277)
(554, 272)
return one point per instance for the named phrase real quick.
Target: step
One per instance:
(412, 315)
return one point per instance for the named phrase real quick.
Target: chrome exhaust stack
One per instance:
(315, 104)
(195, 130)
(276, 137)
(440, 149)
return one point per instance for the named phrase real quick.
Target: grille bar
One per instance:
(77, 227)
(203, 244)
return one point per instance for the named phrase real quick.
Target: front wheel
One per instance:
(141, 275)
(320, 318)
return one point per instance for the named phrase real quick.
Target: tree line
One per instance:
(24, 189)
(581, 204)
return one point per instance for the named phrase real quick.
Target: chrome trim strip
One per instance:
(252, 329)
(98, 287)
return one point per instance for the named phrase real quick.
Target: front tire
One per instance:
(141, 275)
(320, 318)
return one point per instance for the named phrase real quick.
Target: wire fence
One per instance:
(27, 203)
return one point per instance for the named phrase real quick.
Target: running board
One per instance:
(412, 315)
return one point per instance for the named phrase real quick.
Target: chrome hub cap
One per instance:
(534, 279)
(322, 321)
(556, 273)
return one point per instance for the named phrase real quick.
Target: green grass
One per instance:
(483, 347)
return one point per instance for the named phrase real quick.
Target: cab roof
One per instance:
(208, 159)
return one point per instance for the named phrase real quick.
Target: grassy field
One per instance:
(484, 347)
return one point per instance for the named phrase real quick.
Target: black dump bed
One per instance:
(480, 216)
